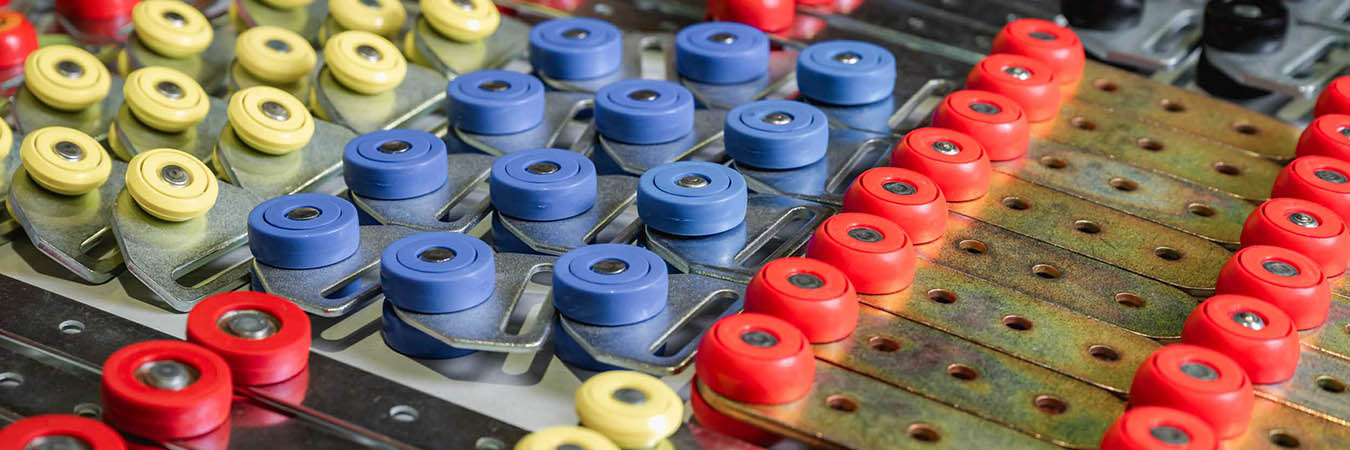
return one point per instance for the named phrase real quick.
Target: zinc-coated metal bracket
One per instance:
(458, 205)
(68, 228)
(334, 290)
(29, 113)
(484, 327)
(271, 176)
(613, 210)
(133, 136)
(1167, 32)
(421, 93)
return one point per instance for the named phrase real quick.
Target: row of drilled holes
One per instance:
(1047, 271)
(1174, 106)
(1154, 145)
(1020, 204)
(1128, 185)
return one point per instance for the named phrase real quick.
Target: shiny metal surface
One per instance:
(484, 327)
(334, 290)
(459, 204)
(72, 230)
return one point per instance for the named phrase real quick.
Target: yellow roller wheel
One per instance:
(274, 55)
(6, 139)
(364, 62)
(410, 50)
(632, 409)
(461, 20)
(382, 17)
(172, 29)
(123, 63)
(287, 4)
(64, 160)
(171, 185)
(65, 77)
(553, 438)
(269, 120)
(165, 99)
(115, 143)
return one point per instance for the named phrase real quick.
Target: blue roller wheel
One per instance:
(845, 72)
(394, 164)
(405, 339)
(644, 111)
(609, 284)
(437, 272)
(691, 198)
(495, 102)
(576, 48)
(721, 53)
(303, 231)
(543, 184)
(776, 134)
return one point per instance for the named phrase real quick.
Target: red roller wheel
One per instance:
(149, 390)
(952, 159)
(1257, 335)
(1029, 82)
(875, 253)
(1318, 179)
(767, 15)
(754, 358)
(1152, 428)
(811, 295)
(264, 338)
(18, 38)
(1327, 135)
(1198, 381)
(95, 9)
(1301, 226)
(1047, 42)
(994, 120)
(1335, 99)
(1282, 277)
(904, 196)
(713, 419)
(57, 429)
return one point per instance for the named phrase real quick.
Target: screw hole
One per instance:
(1046, 271)
(1245, 128)
(1050, 404)
(962, 372)
(1201, 209)
(71, 327)
(1227, 169)
(88, 410)
(883, 344)
(972, 246)
(1283, 439)
(1104, 353)
(1104, 85)
(10, 380)
(841, 403)
(1016, 203)
(1331, 384)
(1017, 323)
(1167, 253)
(923, 432)
(1082, 124)
(1172, 105)
(1130, 300)
(1149, 144)
(942, 296)
(1124, 184)
(1087, 226)
(403, 413)
(1054, 162)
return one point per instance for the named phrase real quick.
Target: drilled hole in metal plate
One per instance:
(962, 372)
(1046, 271)
(1104, 85)
(70, 327)
(972, 246)
(88, 410)
(1016, 203)
(1130, 300)
(1087, 226)
(1050, 404)
(1053, 162)
(942, 296)
(1347, 328)
(10, 380)
(1104, 353)
(1149, 144)
(1083, 124)
(1283, 439)
(1124, 184)
(1167, 253)
(1170, 105)
(1331, 384)
(1017, 323)
(489, 443)
(841, 403)
(883, 344)
(1201, 209)
(1245, 128)
(403, 413)
(1227, 169)
(923, 432)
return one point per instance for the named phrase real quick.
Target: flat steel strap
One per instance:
(1179, 259)
(1333, 337)
(1276, 427)
(976, 379)
(1164, 150)
(845, 410)
(1019, 325)
(1317, 387)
